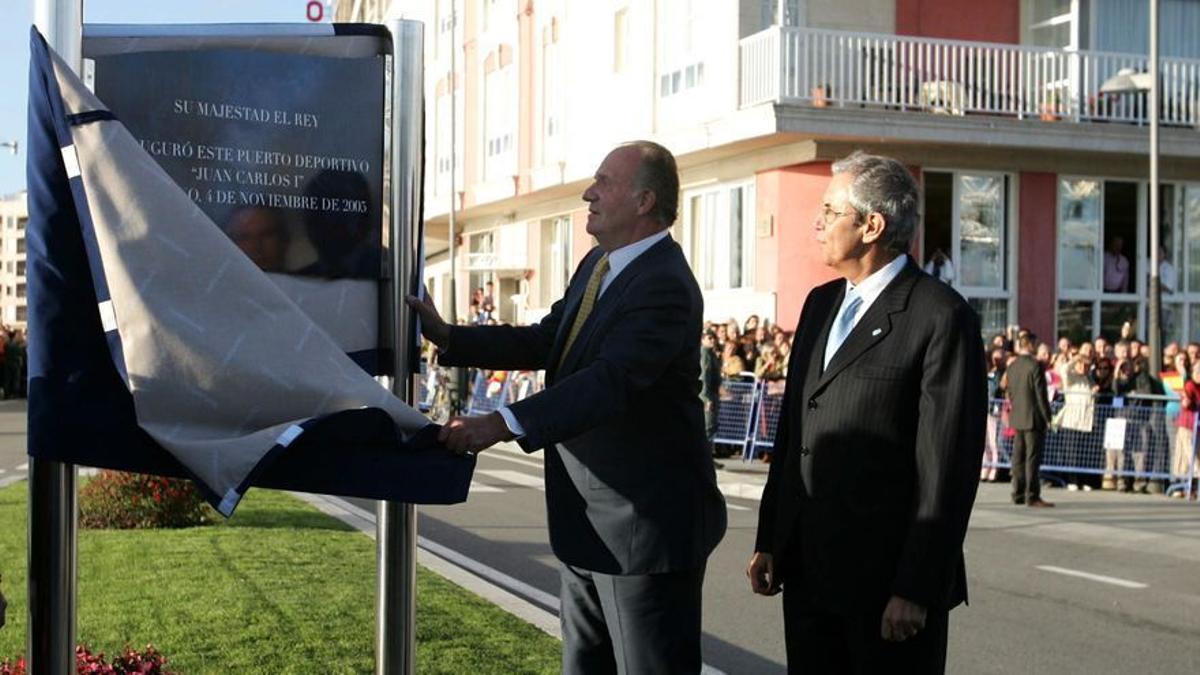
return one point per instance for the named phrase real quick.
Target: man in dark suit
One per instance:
(879, 444)
(631, 493)
(1025, 382)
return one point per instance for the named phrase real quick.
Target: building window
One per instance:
(1179, 271)
(442, 155)
(1101, 258)
(681, 67)
(555, 263)
(1051, 23)
(20, 268)
(965, 240)
(498, 122)
(621, 40)
(552, 132)
(719, 235)
(496, 12)
(445, 22)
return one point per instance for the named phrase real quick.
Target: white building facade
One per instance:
(1027, 168)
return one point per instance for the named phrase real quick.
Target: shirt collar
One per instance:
(871, 287)
(621, 257)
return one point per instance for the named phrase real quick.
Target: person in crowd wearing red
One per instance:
(1185, 463)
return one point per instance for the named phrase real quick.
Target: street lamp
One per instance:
(1127, 81)
(11, 145)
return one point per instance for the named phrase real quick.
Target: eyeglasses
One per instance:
(829, 216)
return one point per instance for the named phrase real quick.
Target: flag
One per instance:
(156, 345)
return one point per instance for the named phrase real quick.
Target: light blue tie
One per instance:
(843, 325)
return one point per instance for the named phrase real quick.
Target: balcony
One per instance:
(835, 69)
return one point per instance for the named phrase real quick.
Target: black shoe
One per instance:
(1018, 500)
(1039, 503)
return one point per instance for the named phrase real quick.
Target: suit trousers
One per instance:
(647, 623)
(820, 642)
(1026, 464)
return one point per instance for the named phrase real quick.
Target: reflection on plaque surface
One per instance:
(283, 152)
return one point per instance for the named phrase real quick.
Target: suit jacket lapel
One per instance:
(607, 303)
(816, 357)
(872, 327)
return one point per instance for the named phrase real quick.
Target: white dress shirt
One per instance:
(872, 287)
(618, 260)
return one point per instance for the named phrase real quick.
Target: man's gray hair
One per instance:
(885, 186)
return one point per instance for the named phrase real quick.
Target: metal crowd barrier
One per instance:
(1111, 443)
(1116, 442)
(747, 412)
(426, 387)
(770, 404)
(735, 410)
(489, 392)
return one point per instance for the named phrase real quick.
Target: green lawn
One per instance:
(279, 588)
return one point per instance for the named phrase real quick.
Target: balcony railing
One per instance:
(835, 68)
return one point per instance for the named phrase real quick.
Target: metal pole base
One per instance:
(396, 606)
(52, 560)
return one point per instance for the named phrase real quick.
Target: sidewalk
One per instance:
(744, 480)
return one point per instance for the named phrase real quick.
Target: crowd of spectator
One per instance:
(482, 311)
(1093, 379)
(1086, 381)
(754, 347)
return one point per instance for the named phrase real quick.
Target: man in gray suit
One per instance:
(1025, 382)
(631, 493)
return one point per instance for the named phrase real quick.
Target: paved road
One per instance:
(14, 463)
(1103, 583)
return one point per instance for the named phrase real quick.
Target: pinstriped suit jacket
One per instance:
(877, 457)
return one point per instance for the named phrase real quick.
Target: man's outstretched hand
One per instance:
(433, 327)
(472, 434)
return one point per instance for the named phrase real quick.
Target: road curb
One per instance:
(364, 522)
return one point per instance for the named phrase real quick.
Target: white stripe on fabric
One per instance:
(70, 161)
(285, 439)
(108, 316)
(231, 499)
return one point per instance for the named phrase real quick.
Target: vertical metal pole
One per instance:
(453, 308)
(52, 498)
(396, 523)
(1155, 289)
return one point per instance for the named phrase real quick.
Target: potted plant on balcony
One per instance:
(1049, 110)
(820, 95)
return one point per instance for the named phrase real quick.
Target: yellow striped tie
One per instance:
(590, 293)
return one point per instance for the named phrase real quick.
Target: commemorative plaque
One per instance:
(284, 152)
